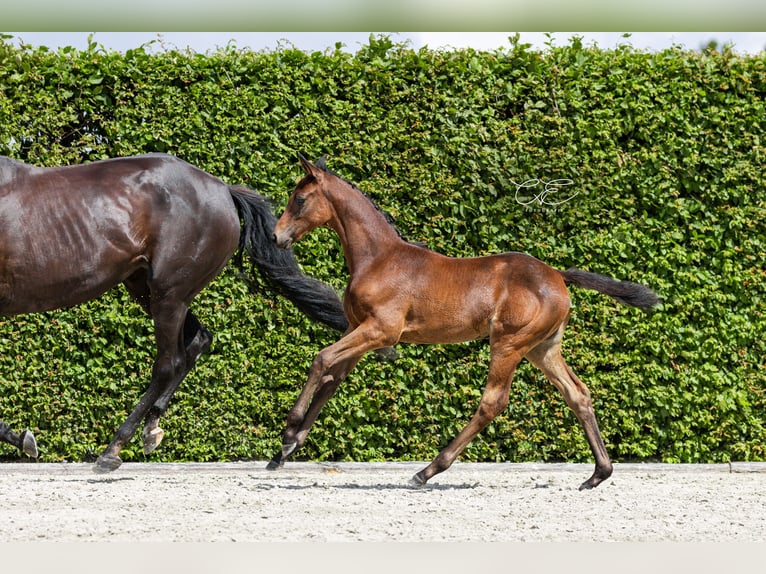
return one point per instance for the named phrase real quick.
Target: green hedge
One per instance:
(665, 153)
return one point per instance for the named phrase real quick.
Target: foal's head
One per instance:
(308, 206)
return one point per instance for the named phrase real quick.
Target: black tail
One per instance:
(277, 269)
(625, 292)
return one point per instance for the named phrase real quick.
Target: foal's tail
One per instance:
(277, 269)
(625, 292)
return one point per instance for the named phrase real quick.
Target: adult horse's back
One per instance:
(155, 223)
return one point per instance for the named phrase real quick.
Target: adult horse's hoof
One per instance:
(28, 444)
(107, 463)
(418, 480)
(597, 478)
(152, 439)
(288, 448)
(279, 460)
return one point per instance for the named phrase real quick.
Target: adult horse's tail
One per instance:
(277, 268)
(625, 292)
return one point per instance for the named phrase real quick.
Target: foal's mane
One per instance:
(321, 163)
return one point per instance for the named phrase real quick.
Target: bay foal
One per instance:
(401, 292)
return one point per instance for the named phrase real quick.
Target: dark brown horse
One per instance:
(399, 291)
(161, 227)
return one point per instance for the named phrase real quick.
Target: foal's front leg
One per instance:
(300, 418)
(330, 367)
(337, 375)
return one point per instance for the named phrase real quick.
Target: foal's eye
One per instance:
(299, 201)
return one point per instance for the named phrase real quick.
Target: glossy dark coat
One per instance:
(156, 224)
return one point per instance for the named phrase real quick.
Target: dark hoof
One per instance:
(288, 448)
(386, 354)
(418, 480)
(152, 439)
(595, 480)
(279, 460)
(29, 444)
(107, 463)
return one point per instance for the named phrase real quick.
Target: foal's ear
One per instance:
(316, 170)
(305, 164)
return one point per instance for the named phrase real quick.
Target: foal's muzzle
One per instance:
(283, 242)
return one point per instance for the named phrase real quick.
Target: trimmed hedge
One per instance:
(661, 155)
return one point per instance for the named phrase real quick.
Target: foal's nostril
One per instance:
(281, 242)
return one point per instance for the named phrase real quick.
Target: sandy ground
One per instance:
(372, 502)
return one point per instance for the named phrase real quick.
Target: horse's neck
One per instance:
(363, 230)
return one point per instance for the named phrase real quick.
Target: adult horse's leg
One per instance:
(169, 316)
(197, 340)
(24, 441)
(504, 358)
(547, 357)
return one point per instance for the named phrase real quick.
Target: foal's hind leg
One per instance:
(503, 362)
(197, 340)
(24, 441)
(547, 357)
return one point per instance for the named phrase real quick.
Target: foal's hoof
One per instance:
(107, 463)
(275, 463)
(386, 354)
(152, 439)
(28, 444)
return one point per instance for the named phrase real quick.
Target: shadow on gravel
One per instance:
(370, 487)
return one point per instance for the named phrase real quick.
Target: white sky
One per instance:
(202, 42)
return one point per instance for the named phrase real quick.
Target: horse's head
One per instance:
(308, 206)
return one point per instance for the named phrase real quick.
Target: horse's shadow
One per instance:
(370, 487)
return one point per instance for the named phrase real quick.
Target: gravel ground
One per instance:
(372, 502)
